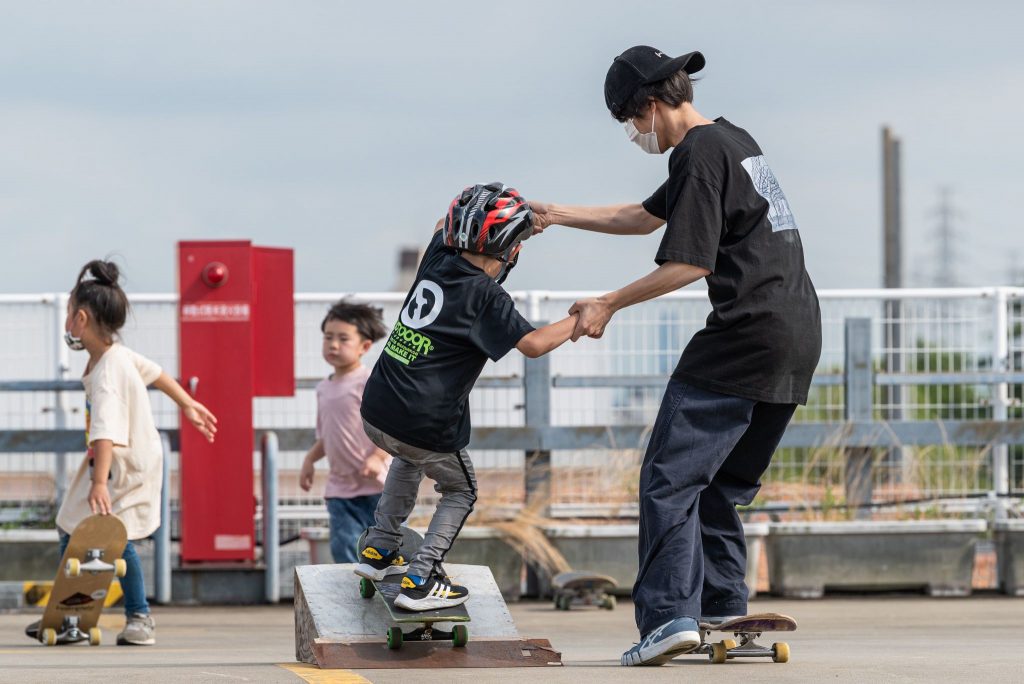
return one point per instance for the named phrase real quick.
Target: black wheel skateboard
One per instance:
(388, 589)
(747, 629)
(583, 588)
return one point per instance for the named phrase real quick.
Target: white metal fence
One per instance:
(914, 331)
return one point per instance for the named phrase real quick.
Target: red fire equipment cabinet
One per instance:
(236, 337)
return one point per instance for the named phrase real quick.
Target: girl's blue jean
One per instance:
(133, 585)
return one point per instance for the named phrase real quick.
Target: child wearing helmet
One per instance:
(416, 400)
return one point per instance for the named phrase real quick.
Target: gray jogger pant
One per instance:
(454, 480)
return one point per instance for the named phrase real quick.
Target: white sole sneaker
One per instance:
(663, 650)
(429, 603)
(371, 573)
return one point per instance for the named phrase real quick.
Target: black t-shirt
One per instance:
(726, 212)
(453, 320)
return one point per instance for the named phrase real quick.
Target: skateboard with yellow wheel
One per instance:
(91, 561)
(747, 630)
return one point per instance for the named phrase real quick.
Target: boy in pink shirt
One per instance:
(357, 467)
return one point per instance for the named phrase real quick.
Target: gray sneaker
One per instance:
(139, 630)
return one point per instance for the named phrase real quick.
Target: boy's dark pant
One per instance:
(455, 481)
(706, 456)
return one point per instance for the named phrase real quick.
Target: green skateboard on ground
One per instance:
(747, 629)
(388, 589)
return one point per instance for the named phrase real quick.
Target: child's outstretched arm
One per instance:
(550, 337)
(196, 413)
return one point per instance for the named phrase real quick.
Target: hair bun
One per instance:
(103, 272)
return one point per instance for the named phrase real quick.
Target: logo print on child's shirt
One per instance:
(424, 306)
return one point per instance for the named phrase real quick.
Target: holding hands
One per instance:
(594, 314)
(541, 216)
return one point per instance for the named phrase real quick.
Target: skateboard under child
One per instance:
(388, 589)
(90, 562)
(747, 629)
(583, 588)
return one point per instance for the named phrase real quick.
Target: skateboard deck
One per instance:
(388, 589)
(92, 559)
(583, 588)
(747, 629)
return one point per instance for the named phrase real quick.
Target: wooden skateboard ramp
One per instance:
(336, 628)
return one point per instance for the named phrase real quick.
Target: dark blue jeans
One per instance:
(706, 456)
(349, 519)
(133, 584)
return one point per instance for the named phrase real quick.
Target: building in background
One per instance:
(408, 261)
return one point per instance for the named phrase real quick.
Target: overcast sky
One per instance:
(343, 129)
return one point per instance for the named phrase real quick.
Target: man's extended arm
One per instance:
(616, 219)
(596, 312)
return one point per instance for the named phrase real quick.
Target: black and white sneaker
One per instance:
(376, 565)
(434, 593)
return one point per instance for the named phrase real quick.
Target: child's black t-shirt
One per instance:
(454, 319)
(726, 212)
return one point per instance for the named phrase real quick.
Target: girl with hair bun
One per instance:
(122, 470)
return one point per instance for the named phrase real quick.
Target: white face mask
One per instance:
(75, 343)
(648, 142)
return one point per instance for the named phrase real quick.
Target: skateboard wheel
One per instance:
(120, 567)
(564, 602)
(729, 643)
(394, 638)
(366, 588)
(95, 636)
(73, 568)
(49, 636)
(719, 653)
(780, 652)
(608, 602)
(460, 635)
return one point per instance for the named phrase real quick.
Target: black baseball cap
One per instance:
(642, 65)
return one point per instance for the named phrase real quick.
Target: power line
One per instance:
(945, 235)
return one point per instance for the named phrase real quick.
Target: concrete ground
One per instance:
(874, 639)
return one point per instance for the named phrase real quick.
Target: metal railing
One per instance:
(569, 428)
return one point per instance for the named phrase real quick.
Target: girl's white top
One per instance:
(117, 408)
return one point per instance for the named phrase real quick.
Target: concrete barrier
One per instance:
(612, 550)
(474, 546)
(1009, 538)
(28, 555)
(808, 558)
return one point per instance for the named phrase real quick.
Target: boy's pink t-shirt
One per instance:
(340, 425)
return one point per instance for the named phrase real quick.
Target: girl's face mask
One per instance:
(74, 343)
(648, 142)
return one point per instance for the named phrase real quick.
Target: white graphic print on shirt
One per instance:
(767, 186)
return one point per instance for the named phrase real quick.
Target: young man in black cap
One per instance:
(739, 379)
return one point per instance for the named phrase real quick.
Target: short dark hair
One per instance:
(368, 320)
(101, 296)
(673, 91)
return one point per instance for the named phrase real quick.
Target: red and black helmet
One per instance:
(490, 219)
